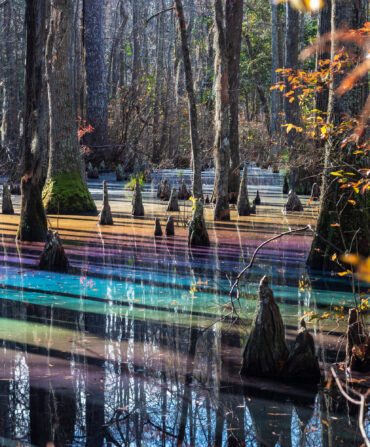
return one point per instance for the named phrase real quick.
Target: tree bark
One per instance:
(66, 189)
(234, 19)
(193, 116)
(33, 225)
(276, 64)
(222, 142)
(96, 100)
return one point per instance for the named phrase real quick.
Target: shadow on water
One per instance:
(119, 356)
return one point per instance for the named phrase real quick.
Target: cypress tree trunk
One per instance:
(33, 225)
(96, 100)
(9, 125)
(276, 63)
(353, 232)
(234, 19)
(193, 117)
(65, 190)
(222, 142)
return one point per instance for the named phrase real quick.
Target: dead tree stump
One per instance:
(173, 204)
(92, 173)
(197, 232)
(170, 227)
(315, 192)
(257, 200)
(53, 257)
(120, 175)
(265, 352)
(7, 206)
(105, 216)
(157, 228)
(302, 364)
(243, 205)
(164, 190)
(184, 193)
(358, 345)
(286, 186)
(293, 203)
(137, 201)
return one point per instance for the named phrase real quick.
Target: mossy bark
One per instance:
(67, 193)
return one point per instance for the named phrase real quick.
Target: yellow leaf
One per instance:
(335, 225)
(350, 259)
(348, 272)
(324, 130)
(289, 127)
(339, 174)
(334, 257)
(352, 202)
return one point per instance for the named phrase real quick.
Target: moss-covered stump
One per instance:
(67, 193)
(53, 257)
(120, 174)
(302, 364)
(265, 352)
(184, 193)
(315, 192)
(164, 190)
(197, 232)
(7, 205)
(105, 216)
(137, 201)
(157, 228)
(293, 202)
(257, 199)
(170, 227)
(173, 204)
(243, 205)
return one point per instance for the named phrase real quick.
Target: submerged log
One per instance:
(164, 190)
(184, 193)
(257, 200)
(243, 205)
(358, 345)
(315, 192)
(7, 206)
(170, 227)
(120, 174)
(197, 232)
(137, 201)
(302, 364)
(105, 217)
(173, 204)
(157, 228)
(265, 352)
(53, 257)
(293, 203)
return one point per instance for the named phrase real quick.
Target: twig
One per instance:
(361, 402)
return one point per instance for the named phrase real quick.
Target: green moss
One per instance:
(67, 194)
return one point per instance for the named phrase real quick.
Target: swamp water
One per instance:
(131, 351)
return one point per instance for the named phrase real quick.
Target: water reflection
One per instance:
(118, 355)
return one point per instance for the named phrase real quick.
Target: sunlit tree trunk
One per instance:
(33, 225)
(222, 113)
(193, 116)
(234, 19)
(65, 190)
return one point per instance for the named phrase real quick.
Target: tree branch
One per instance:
(159, 13)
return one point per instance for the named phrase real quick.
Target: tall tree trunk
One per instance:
(9, 125)
(234, 20)
(276, 64)
(353, 231)
(222, 142)
(97, 100)
(65, 190)
(193, 116)
(33, 225)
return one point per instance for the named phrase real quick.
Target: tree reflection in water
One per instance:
(118, 355)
